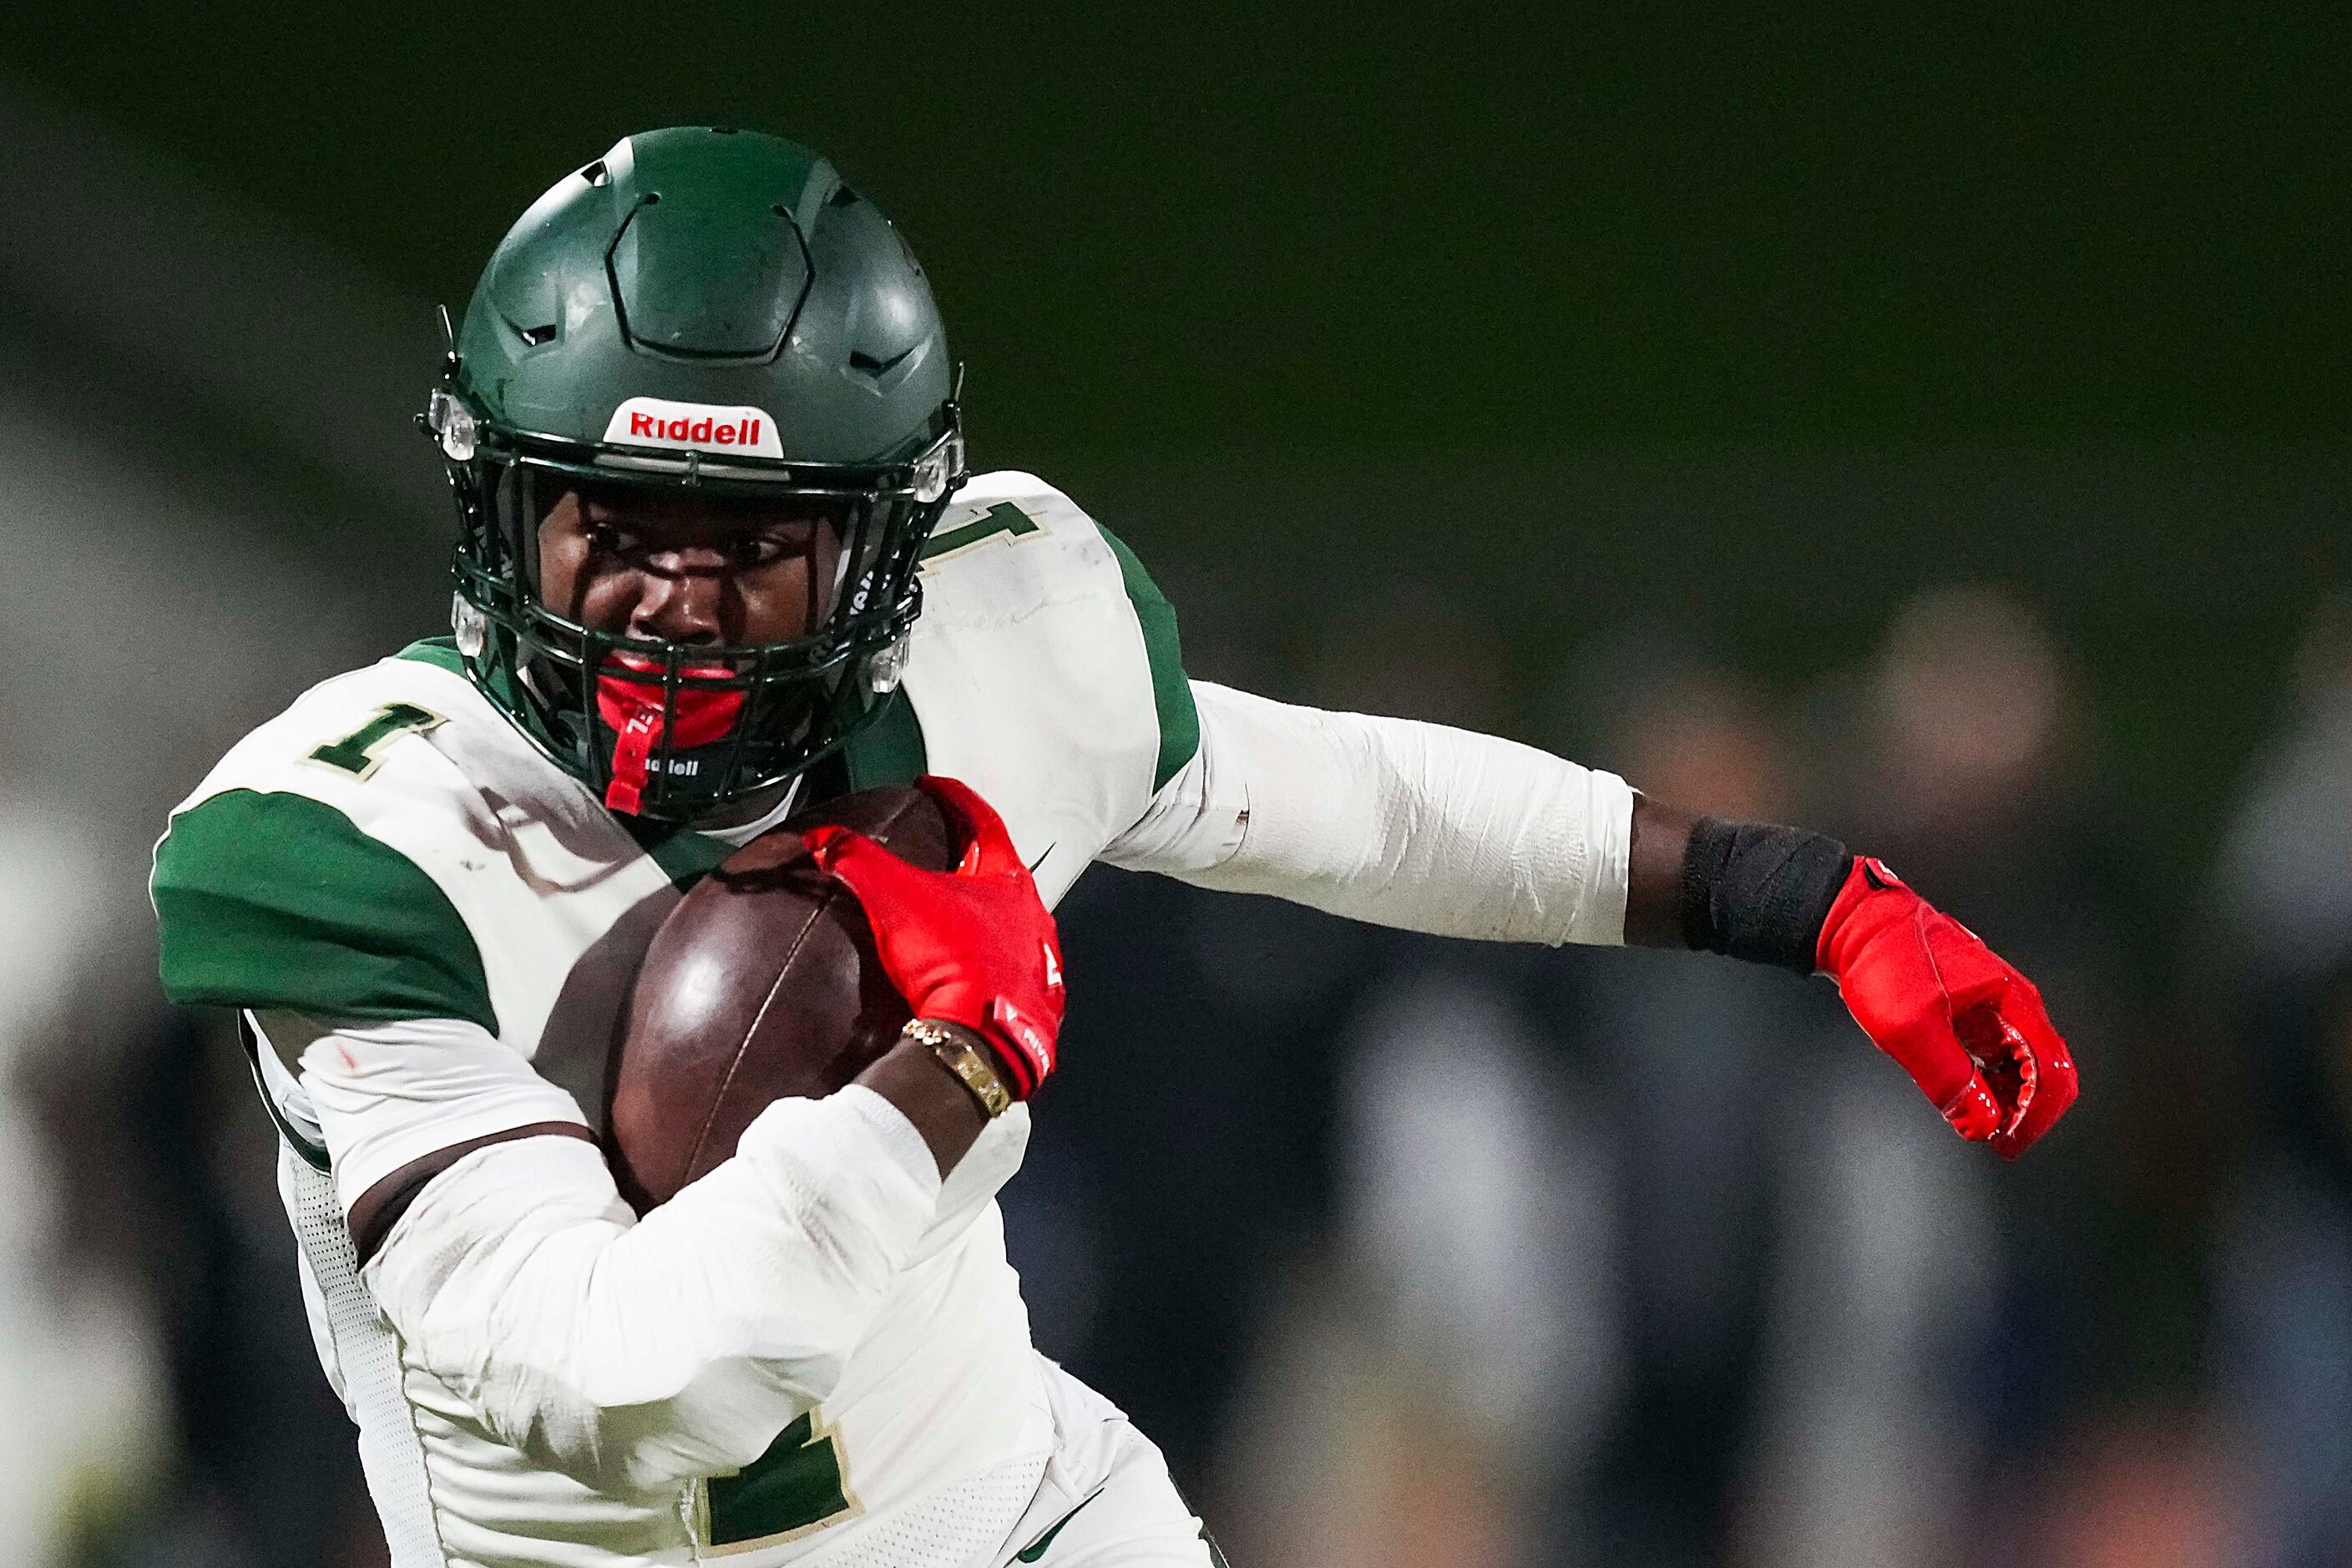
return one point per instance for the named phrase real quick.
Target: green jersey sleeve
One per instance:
(277, 900)
(1171, 693)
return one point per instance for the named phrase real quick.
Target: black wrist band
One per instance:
(1759, 892)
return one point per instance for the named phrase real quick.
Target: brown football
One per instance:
(761, 984)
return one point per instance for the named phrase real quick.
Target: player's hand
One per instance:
(1968, 1028)
(974, 946)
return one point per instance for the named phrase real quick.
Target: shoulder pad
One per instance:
(1010, 544)
(300, 874)
(1044, 671)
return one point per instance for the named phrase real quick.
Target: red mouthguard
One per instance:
(631, 704)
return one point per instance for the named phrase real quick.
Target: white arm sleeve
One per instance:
(629, 1354)
(1388, 820)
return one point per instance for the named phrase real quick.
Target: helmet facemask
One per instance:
(695, 732)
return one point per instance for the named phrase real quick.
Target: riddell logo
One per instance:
(654, 428)
(694, 426)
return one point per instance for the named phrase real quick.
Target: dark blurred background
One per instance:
(1923, 424)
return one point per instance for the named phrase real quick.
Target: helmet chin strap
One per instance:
(633, 706)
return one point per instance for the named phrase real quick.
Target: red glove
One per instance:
(1969, 1029)
(974, 946)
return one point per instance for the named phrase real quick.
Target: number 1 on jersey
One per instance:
(358, 753)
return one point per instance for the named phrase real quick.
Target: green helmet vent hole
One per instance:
(842, 197)
(533, 337)
(596, 174)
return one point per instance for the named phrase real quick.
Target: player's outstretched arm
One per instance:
(1441, 830)
(1391, 821)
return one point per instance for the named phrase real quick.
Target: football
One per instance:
(763, 983)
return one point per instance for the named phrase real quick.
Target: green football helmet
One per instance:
(713, 309)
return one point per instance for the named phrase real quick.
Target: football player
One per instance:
(720, 557)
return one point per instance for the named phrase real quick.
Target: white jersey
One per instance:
(438, 926)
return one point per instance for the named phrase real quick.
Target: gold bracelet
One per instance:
(962, 1055)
